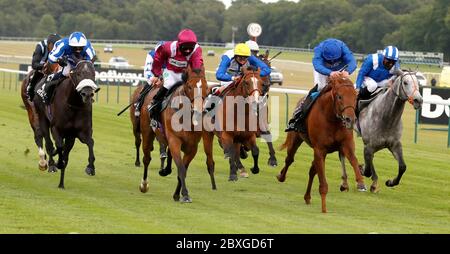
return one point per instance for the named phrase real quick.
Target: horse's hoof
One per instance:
(163, 155)
(185, 199)
(255, 170)
(307, 201)
(343, 188)
(243, 173)
(281, 178)
(52, 169)
(43, 165)
(367, 173)
(165, 172)
(144, 186)
(61, 187)
(233, 178)
(272, 162)
(361, 188)
(390, 183)
(137, 163)
(176, 198)
(90, 171)
(373, 189)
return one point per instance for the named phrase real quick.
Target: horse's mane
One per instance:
(252, 68)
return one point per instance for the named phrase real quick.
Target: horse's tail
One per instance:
(290, 139)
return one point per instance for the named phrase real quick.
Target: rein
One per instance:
(409, 98)
(339, 115)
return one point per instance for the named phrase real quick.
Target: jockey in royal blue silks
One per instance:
(230, 68)
(67, 52)
(148, 74)
(330, 57)
(377, 71)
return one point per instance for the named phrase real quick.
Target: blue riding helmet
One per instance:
(391, 52)
(331, 50)
(77, 39)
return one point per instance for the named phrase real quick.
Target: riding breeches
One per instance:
(320, 80)
(171, 78)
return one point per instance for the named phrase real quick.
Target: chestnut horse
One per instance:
(329, 129)
(235, 129)
(136, 124)
(182, 136)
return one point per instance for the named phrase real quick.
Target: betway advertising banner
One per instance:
(123, 77)
(432, 113)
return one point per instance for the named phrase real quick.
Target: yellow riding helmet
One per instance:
(242, 49)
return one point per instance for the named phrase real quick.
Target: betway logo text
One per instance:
(118, 76)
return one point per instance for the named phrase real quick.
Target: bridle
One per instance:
(409, 97)
(339, 113)
(246, 85)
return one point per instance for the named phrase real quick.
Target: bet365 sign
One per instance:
(432, 113)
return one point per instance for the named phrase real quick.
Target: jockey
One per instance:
(377, 71)
(330, 56)
(67, 52)
(254, 48)
(176, 55)
(230, 68)
(40, 57)
(147, 74)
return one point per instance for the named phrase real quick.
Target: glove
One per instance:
(62, 61)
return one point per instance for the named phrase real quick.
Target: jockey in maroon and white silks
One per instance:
(176, 56)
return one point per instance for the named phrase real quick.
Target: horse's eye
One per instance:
(405, 83)
(339, 97)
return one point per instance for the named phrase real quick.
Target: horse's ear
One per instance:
(398, 72)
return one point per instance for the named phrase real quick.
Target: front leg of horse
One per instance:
(255, 155)
(397, 151)
(369, 169)
(168, 169)
(344, 184)
(90, 168)
(267, 136)
(51, 152)
(68, 145)
(348, 151)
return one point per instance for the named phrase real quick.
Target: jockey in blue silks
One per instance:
(230, 68)
(148, 74)
(67, 52)
(377, 71)
(330, 57)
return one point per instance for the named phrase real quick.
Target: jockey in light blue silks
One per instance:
(377, 71)
(148, 74)
(330, 57)
(67, 52)
(230, 68)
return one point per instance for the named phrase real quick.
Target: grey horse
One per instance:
(381, 126)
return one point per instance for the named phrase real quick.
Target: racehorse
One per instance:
(231, 135)
(37, 130)
(329, 129)
(135, 122)
(183, 137)
(381, 125)
(69, 116)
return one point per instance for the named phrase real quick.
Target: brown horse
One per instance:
(136, 124)
(69, 116)
(240, 127)
(329, 129)
(182, 136)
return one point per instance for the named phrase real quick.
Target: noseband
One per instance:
(339, 114)
(410, 97)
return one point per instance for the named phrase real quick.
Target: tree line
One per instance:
(365, 25)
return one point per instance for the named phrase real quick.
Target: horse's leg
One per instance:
(293, 143)
(162, 154)
(137, 141)
(45, 130)
(59, 143)
(348, 150)
(344, 184)
(242, 172)
(319, 165)
(369, 169)
(168, 169)
(255, 155)
(397, 151)
(175, 150)
(208, 148)
(68, 145)
(267, 136)
(90, 168)
(147, 147)
(230, 149)
(189, 154)
(312, 173)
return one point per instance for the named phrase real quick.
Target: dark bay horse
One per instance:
(381, 124)
(136, 124)
(236, 119)
(329, 129)
(69, 116)
(183, 135)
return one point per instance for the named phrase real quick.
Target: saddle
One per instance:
(362, 104)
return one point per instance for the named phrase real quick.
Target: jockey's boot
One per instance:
(34, 80)
(155, 108)
(140, 100)
(49, 87)
(296, 123)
